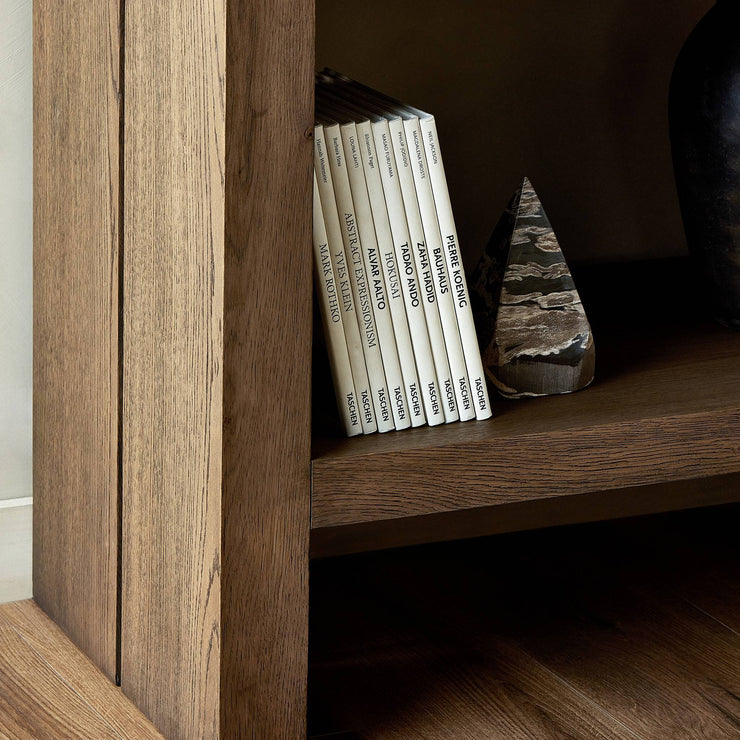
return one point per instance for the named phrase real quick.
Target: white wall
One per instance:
(16, 228)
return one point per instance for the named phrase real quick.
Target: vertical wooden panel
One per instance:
(173, 355)
(75, 420)
(267, 336)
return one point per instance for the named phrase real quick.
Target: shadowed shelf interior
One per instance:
(626, 629)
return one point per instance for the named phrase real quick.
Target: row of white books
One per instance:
(391, 284)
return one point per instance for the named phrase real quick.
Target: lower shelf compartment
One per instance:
(627, 629)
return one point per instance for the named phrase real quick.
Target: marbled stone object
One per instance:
(534, 336)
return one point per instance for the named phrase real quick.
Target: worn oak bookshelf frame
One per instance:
(173, 469)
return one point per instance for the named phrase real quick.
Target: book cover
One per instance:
(341, 271)
(440, 276)
(331, 320)
(358, 277)
(407, 276)
(455, 269)
(411, 396)
(463, 352)
(424, 269)
(376, 281)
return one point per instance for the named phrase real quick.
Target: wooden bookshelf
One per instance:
(177, 497)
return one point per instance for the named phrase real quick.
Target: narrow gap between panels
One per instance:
(121, 160)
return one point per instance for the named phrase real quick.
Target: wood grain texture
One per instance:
(75, 337)
(573, 632)
(666, 407)
(66, 678)
(267, 345)
(393, 657)
(533, 514)
(617, 630)
(35, 702)
(173, 363)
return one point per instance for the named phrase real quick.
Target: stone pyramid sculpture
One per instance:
(534, 336)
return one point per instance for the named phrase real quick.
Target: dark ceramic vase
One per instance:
(704, 105)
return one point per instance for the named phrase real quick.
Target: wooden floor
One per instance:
(50, 691)
(627, 629)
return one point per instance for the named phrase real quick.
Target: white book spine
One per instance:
(440, 276)
(404, 259)
(374, 273)
(390, 275)
(341, 271)
(423, 269)
(358, 278)
(331, 319)
(455, 268)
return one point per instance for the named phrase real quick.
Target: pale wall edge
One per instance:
(15, 552)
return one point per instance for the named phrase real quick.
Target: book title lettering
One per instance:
(359, 274)
(388, 158)
(414, 398)
(383, 404)
(367, 407)
(400, 405)
(408, 268)
(457, 276)
(432, 147)
(322, 159)
(354, 419)
(331, 288)
(426, 273)
(402, 149)
(434, 398)
(419, 155)
(337, 151)
(378, 287)
(464, 394)
(390, 266)
(450, 395)
(344, 287)
(370, 161)
(439, 266)
(353, 151)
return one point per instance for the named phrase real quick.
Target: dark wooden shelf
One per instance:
(613, 630)
(664, 408)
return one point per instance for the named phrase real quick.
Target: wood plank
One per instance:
(533, 514)
(173, 363)
(75, 336)
(673, 414)
(436, 632)
(76, 671)
(267, 345)
(388, 662)
(35, 702)
(653, 661)
(428, 693)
